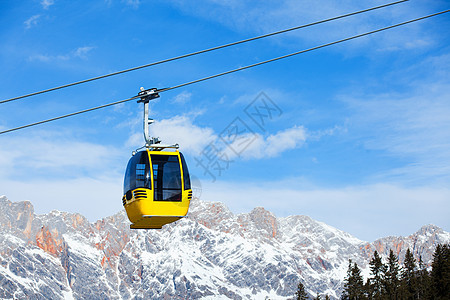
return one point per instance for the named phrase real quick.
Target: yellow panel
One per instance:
(153, 222)
(136, 208)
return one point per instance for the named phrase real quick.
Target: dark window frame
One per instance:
(167, 178)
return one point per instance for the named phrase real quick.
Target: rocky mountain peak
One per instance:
(259, 224)
(211, 253)
(429, 229)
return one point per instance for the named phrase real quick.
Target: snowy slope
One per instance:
(211, 254)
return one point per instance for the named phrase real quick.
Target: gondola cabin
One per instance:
(157, 189)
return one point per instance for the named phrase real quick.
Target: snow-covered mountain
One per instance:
(211, 254)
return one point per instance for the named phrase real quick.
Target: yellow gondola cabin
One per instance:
(157, 189)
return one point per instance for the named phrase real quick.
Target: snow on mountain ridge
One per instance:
(211, 253)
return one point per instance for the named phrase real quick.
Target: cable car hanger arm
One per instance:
(152, 143)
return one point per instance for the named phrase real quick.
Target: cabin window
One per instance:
(166, 177)
(137, 174)
(186, 177)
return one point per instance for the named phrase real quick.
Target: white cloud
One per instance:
(193, 139)
(54, 171)
(80, 52)
(40, 57)
(178, 130)
(318, 134)
(32, 21)
(47, 3)
(55, 155)
(182, 97)
(268, 16)
(409, 45)
(290, 138)
(271, 146)
(133, 3)
(366, 211)
(413, 127)
(93, 197)
(135, 140)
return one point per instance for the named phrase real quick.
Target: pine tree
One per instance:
(391, 277)
(301, 293)
(409, 277)
(423, 281)
(440, 273)
(377, 269)
(368, 289)
(327, 297)
(353, 284)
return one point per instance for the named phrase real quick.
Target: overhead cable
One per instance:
(200, 52)
(302, 51)
(232, 71)
(70, 115)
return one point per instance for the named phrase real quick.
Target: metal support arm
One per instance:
(146, 96)
(151, 142)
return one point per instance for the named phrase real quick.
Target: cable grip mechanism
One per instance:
(145, 97)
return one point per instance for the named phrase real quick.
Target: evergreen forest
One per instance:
(390, 280)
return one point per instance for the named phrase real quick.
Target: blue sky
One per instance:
(360, 139)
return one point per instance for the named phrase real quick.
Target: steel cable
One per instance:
(199, 52)
(231, 71)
